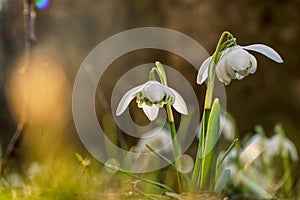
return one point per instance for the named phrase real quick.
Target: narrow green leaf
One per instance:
(162, 157)
(222, 180)
(187, 178)
(211, 151)
(152, 75)
(254, 187)
(227, 152)
(197, 167)
(161, 70)
(163, 186)
(199, 157)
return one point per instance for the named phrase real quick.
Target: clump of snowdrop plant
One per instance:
(229, 61)
(262, 166)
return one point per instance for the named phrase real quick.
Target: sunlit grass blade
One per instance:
(186, 177)
(163, 186)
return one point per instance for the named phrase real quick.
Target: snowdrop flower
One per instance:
(150, 97)
(277, 143)
(254, 148)
(236, 63)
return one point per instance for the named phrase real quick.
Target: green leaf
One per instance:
(222, 180)
(198, 162)
(211, 149)
(186, 178)
(254, 187)
(122, 171)
(151, 76)
(227, 152)
(161, 71)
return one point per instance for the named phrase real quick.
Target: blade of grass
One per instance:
(187, 179)
(163, 186)
(227, 152)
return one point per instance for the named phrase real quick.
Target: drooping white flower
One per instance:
(236, 63)
(254, 148)
(150, 97)
(276, 144)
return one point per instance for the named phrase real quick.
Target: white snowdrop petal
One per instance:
(127, 98)
(150, 111)
(273, 146)
(252, 150)
(231, 72)
(291, 149)
(154, 91)
(222, 73)
(265, 50)
(179, 103)
(203, 71)
(253, 68)
(238, 59)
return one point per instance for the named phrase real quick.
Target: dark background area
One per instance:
(68, 30)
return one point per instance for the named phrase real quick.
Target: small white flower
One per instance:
(236, 63)
(276, 144)
(150, 97)
(254, 148)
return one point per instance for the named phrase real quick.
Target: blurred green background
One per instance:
(68, 30)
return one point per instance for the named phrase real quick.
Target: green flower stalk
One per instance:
(208, 71)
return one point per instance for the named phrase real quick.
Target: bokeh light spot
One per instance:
(42, 4)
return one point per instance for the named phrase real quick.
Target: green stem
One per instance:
(198, 160)
(173, 130)
(163, 79)
(287, 169)
(287, 188)
(286, 165)
(212, 71)
(174, 143)
(200, 153)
